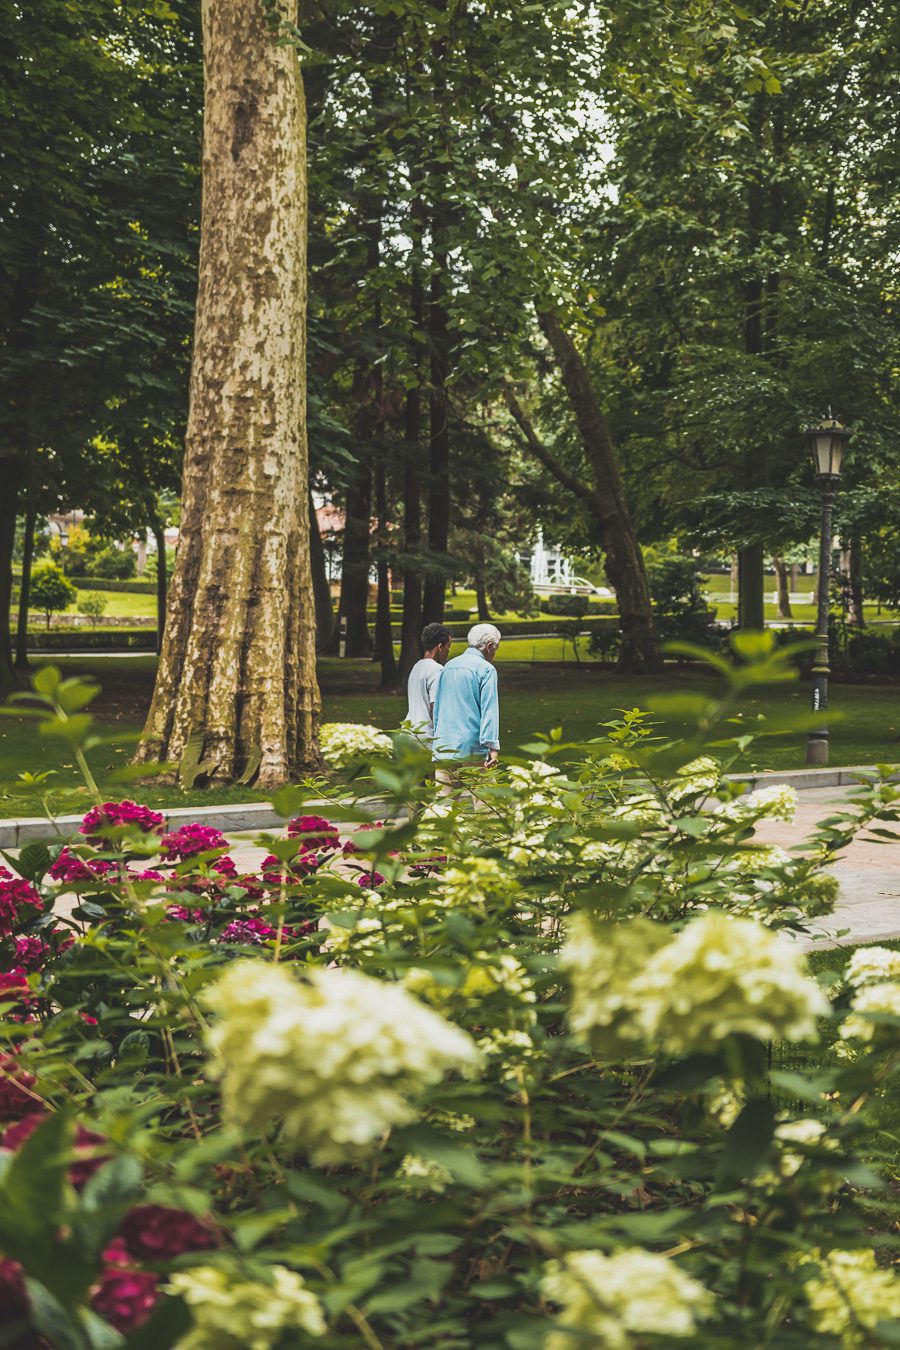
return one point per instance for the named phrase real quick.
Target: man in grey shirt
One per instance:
(423, 681)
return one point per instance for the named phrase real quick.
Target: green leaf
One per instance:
(747, 1143)
(51, 1320)
(33, 862)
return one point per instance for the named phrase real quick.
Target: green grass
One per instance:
(532, 699)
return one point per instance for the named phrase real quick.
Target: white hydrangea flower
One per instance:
(873, 965)
(803, 1131)
(697, 779)
(367, 934)
(636, 983)
(424, 1174)
(725, 1105)
(344, 743)
(851, 1294)
(872, 998)
(335, 1058)
(478, 882)
(231, 1314)
(612, 1298)
(778, 801)
(746, 861)
(720, 976)
(642, 809)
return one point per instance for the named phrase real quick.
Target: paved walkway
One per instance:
(868, 872)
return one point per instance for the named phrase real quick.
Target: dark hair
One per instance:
(434, 635)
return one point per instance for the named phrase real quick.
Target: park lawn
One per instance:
(533, 699)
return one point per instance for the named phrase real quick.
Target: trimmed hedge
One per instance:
(86, 640)
(133, 585)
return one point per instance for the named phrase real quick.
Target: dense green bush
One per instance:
(51, 590)
(97, 639)
(474, 1078)
(569, 606)
(680, 609)
(118, 564)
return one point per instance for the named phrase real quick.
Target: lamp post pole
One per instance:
(817, 745)
(827, 442)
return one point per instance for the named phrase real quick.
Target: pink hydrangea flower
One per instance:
(184, 914)
(31, 953)
(124, 1295)
(13, 1295)
(370, 881)
(253, 930)
(189, 840)
(15, 896)
(117, 814)
(156, 1232)
(148, 874)
(427, 866)
(86, 1160)
(14, 1102)
(303, 864)
(317, 831)
(70, 868)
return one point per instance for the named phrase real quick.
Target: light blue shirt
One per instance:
(466, 708)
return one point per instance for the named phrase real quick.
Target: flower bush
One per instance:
(493, 1078)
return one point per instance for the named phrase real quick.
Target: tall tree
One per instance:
(237, 674)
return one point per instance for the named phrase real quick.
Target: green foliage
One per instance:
(446, 1226)
(575, 606)
(676, 589)
(51, 589)
(118, 564)
(92, 604)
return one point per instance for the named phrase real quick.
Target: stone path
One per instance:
(868, 872)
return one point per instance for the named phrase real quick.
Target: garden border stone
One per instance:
(245, 816)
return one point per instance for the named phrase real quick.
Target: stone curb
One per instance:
(247, 816)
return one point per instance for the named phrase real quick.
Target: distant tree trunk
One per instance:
(411, 623)
(237, 675)
(11, 476)
(855, 614)
(784, 594)
(162, 580)
(412, 539)
(751, 587)
(624, 559)
(25, 587)
(357, 562)
(481, 600)
(321, 588)
(384, 632)
(435, 588)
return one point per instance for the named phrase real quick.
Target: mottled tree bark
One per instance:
(624, 559)
(238, 661)
(384, 631)
(411, 623)
(162, 580)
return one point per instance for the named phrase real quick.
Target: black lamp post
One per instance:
(827, 443)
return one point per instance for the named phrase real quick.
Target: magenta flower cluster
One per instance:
(316, 831)
(189, 840)
(70, 868)
(16, 897)
(118, 814)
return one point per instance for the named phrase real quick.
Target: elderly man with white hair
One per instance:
(466, 707)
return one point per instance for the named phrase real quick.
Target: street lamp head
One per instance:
(827, 442)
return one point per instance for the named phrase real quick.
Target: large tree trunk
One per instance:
(321, 587)
(25, 587)
(238, 662)
(784, 594)
(11, 475)
(624, 559)
(481, 600)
